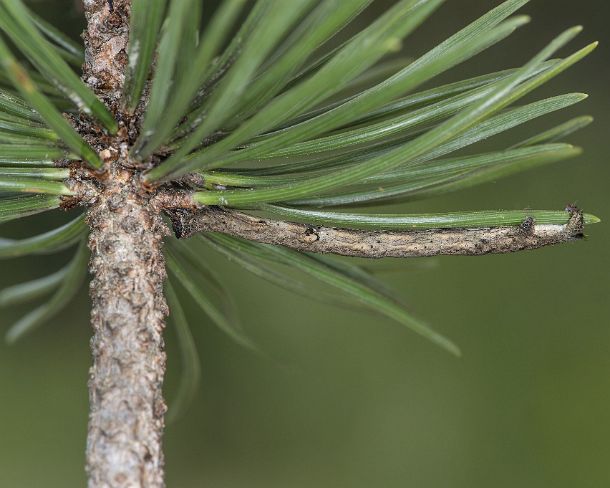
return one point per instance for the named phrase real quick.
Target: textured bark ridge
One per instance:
(349, 242)
(128, 312)
(106, 39)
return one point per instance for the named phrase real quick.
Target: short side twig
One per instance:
(375, 244)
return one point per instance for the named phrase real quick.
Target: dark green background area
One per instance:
(351, 400)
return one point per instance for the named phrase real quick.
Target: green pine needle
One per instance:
(146, 18)
(49, 242)
(356, 288)
(45, 108)
(18, 207)
(219, 317)
(278, 115)
(71, 279)
(481, 218)
(17, 23)
(191, 369)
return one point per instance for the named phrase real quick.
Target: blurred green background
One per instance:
(353, 400)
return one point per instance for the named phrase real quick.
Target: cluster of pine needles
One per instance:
(279, 111)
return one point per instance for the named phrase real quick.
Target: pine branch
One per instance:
(273, 116)
(127, 409)
(128, 319)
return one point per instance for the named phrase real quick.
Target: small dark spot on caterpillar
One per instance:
(311, 234)
(527, 225)
(111, 5)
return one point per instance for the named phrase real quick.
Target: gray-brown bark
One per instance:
(106, 39)
(128, 312)
(349, 242)
(128, 307)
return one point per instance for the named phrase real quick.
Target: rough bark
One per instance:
(128, 307)
(106, 39)
(379, 244)
(128, 312)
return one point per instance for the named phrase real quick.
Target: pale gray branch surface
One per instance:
(124, 447)
(375, 244)
(128, 318)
